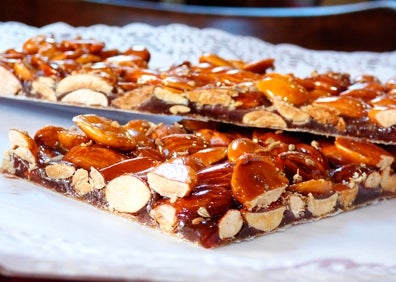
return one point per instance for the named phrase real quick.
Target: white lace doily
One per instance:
(174, 43)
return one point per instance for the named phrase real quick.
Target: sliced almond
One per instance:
(44, 86)
(388, 180)
(263, 118)
(320, 207)
(9, 83)
(373, 180)
(169, 96)
(8, 163)
(346, 197)
(26, 155)
(165, 216)
(59, 171)
(134, 98)
(86, 97)
(325, 115)
(84, 182)
(127, 193)
(383, 116)
(296, 205)
(80, 182)
(230, 224)
(23, 146)
(179, 109)
(265, 221)
(19, 138)
(212, 97)
(83, 81)
(96, 179)
(290, 112)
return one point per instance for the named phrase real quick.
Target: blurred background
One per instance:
(345, 25)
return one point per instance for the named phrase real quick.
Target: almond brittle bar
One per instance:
(84, 72)
(208, 183)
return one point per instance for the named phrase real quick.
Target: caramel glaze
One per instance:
(205, 231)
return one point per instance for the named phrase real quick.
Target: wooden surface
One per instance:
(368, 26)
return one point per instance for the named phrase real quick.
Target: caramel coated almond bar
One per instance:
(84, 72)
(208, 183)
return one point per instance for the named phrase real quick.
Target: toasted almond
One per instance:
(372, 180)
(265, 221)
(320, 207)
(388, 180)
(179, 109)
(127, 193)
(22, 71)
(325, 115)
(314, 186)
(214, 60)
(8, 162)
(297, 205)
(26, 155)
(230, 224)
(83, 81)
(345, 105)
(132, 165)
(212, 97)
(44, 86)
(80, 182)
(134, 99)
(59, 171)
(241, 146)
(290, 112)
(106, 131)
(165, 216)
(96, 179)
(263, 118)
(86, 97)
(19, 138)
(283, 87)
(9, 83)
(211, 155)
(172, 180)
(92, 156)
(346, 194)
(364, 152)
(23, 146)
(169, 96)
(256, 182)
(384, 116)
